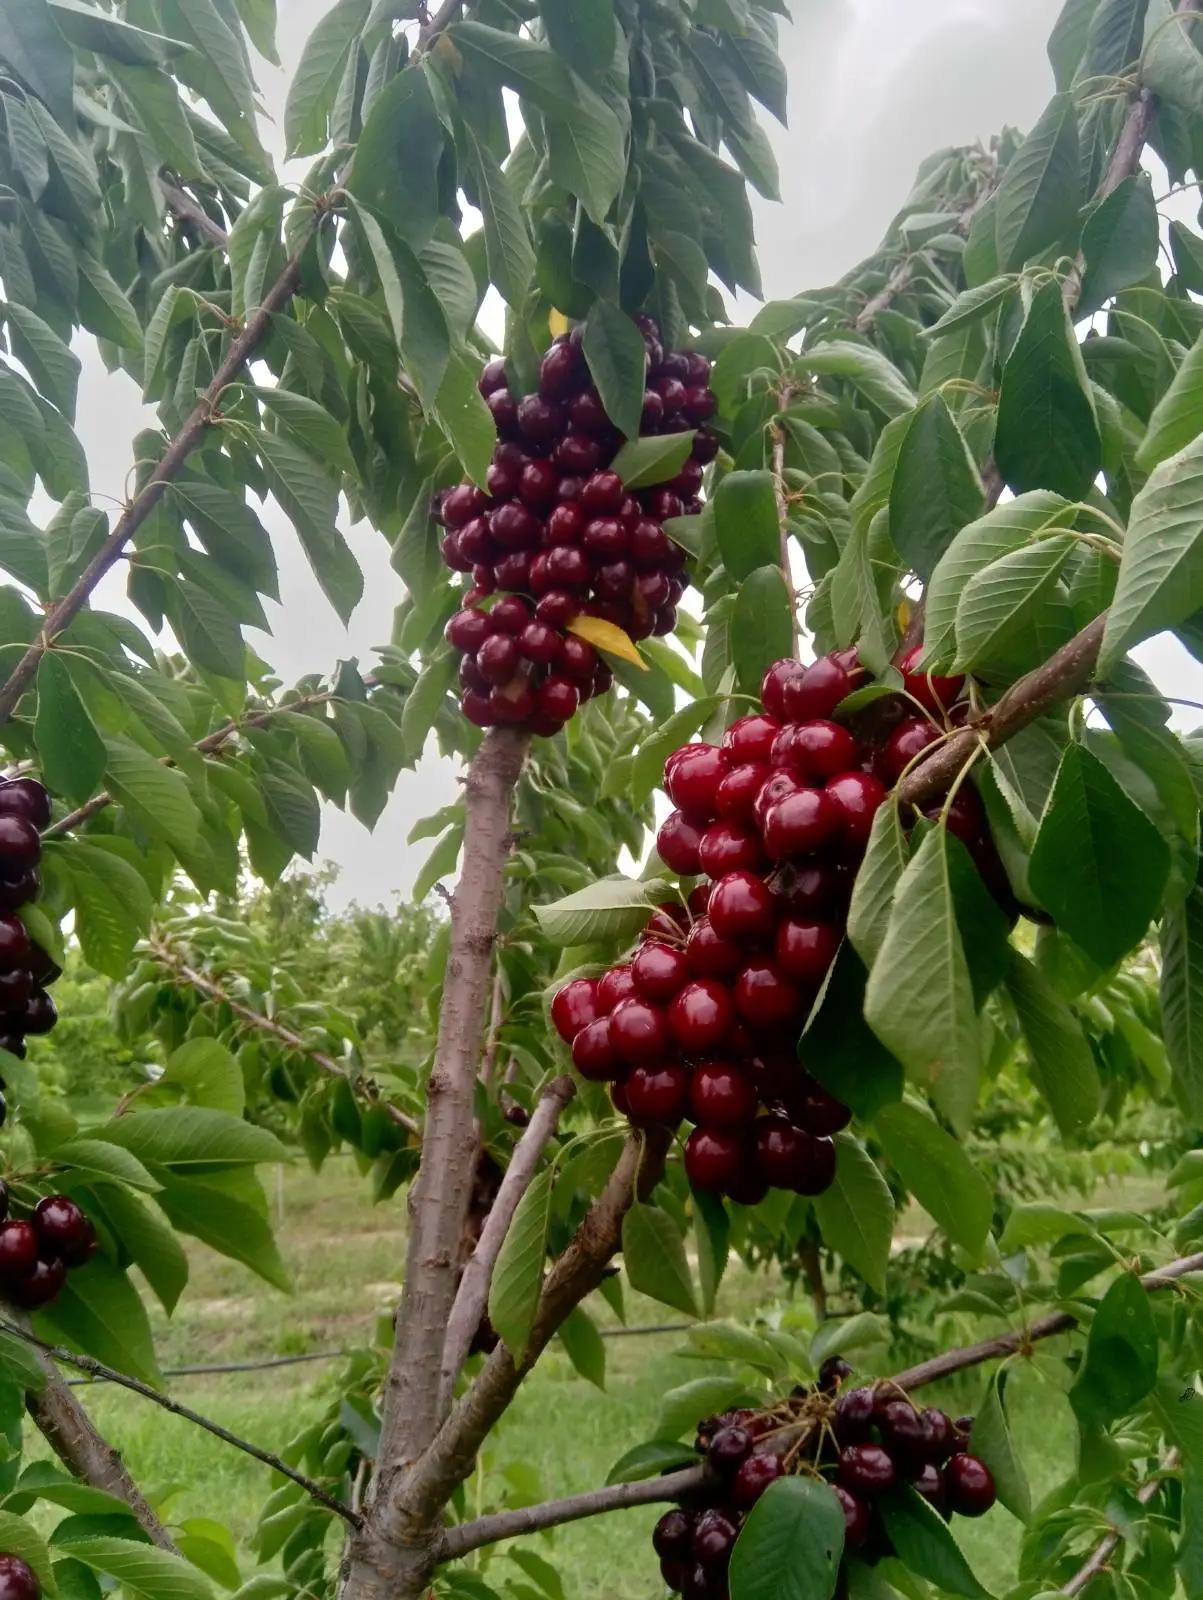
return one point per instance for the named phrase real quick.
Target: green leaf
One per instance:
(396, 167)
(1171, 66)
(99, 1311)
(464, 416)
(157, 799)
(53, 365)
(613, 909)
(71, 752)
(315, 83)
(518, 1274)
(972, 304)
(226, 1223)
(312, 426)
(37, 51)
(653, 1253)
(1047, 435)
(841, 1050)
(992, 1443)
(207, 629)
(193, 1136)
(310, 499)
(762, 626)
(585, 1346)
(791, 1544)
(1120, 1365)
(876, 883)
(440, 863)
(939, 1174)
(877, 379)
(1119, 242)
(1000, 614)
(419, 326)
(150, 1241)
(1182, 994)
(18, 1536)
(650, 1460)
(712, 1232)
(617, 360)
(747, 523)
(1060, 1060)
(856, 1215)
(1177, 418)
(1098, 864)
(582, 31)
(682, 1408)
(924, 1543)
(930, 1025)
(641, 463)
(103, 1160)
(207, 1075)
(147, 1571)
(103, 308)
(936, 488)
(113, 906)
(1040, 190)
(508, 249)
(424, 702)
(230, 531)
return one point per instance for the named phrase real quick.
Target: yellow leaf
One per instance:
(903, 613)
(607, 636)
(557, 323)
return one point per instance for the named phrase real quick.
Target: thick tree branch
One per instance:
(1097, 1561)
(172, 959)
(97, 1369)
(473, 1294)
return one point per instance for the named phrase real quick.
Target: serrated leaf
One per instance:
(617, 360)
(877, 379)
(207, 1075)
(19, 1538)
(1047, 435)
(1171, 66)
(71, 751)
(1119, 242)
(791, 1545)
(312, 426)
(508, 249)
(936, 489)
(762, 626)
(1060, 1058)
(856, 1214)
(98, 1310)
(614, 908)
(939, 1174)
(1120, 1365)
(102, 1160)
(424, 702)
(653, 1253)
(990, 1441)
(518, 1273)
(1040, 188)
(650, 1460)
(876, 883)
(747, 523)
(998, 616)
(585, 1346)
(150, 1240)
(226, 1223)
(157, 799)
(310, 499)
(642, 463)
(315, 82)
(103, 308)
(193, 1136)
(464, 416)
(147, 1571)
(113, 906)
(971, 304)
(925, 1544)
(440, 863)
(396, 168)
(53, 365)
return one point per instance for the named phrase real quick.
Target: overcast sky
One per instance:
(875, 86)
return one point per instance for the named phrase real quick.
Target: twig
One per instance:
(473, 1294)
(1097, 1561)
(171, 958)
(186, 208)
(486, 1530)
(886, 295)
(97, 1369)
(496, 1015)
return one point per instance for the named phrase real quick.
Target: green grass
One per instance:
(346, 1256)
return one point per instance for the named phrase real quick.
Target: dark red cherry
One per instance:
(929, 1481)
(505, 411)
(742, 908)
(539, 420)
(772, 685)
(736, 795)
(729, 847)
(805, 949)
(729, 1448)
(562, 371)
(557, 608)
(511, 614)
(515, 526)
(708, 955)
(20, 844)
(657, 1095)
(817, 692)
(672, 1535)
(650, 549)
(754, 1477)
(26, 797)
(902, 1430)
(812, 1108)
(817, 750)
(815, 888)
(854, 1412)
(800, 824)
(867, 1470)
(858, 1518)
(906, 743)
(15, 989)
(775, 787)
(497, 659)
(558, 698)
(62, 1229)
(939, 1436)
(659, 970)
(751, 738)
(969, 1484)
(701, 1016)
(577, 453)
(934, 694)
(460, 505)
(721, 1095)
(692, 783)
(833, 1374)
(18, 1251)
(765, 998)
(14, 941)
(478, 709)
(587, 414)
(614, 986)
(468, 630)
(539, 643)
(513, 703)
(493, 377)
(18, 891)
(677, 842)
(41, 1286)
(18, 1581)
(715, 1534)
(713, 1159)
(639, 1031)
(574, 1007)
(858, 796)
(602, 494)
(593, 1052)
(538, 484)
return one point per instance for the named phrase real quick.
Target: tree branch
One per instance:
(1097, 1561)
(97, 1369)
(172, 958)
(186, 208)
(472, 1297)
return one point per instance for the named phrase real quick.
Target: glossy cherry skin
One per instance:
(730, 1447)
(692, 783)
(775, 787)
(539, 643)
(639, 1031)
(659, 970)
(20, 843)
(817, 749)
(908, 741)
(678, 842)
(18, 891)
(854, 1415)
(558, 699)
(765, 998)
(748, 1187)
(701, 1016)
(461, 504)
(935, 694)
(867, 1469)
(800, 824)
(754, 1477)
(578, 659)
(742, 908)
(574, 1007)
(602, 493)
(969, 1484)
(615, 985)
(805, 949)
(707, 955)
(476, 707)
(40, 1015)
(511, 614)
(750, 738)
(497, 659)
(18, 1581)
(715, 1534)
(672, 1535)
(729, 847)
(772, 685)
(713, 1159)
(62, 1229)
(857, 1517)
(467, 630)
(791, 1159)
(859, 796)
(14, 942)
(722, 1095)
(593, 1052)
(902, 1430)
(929, 1481)
(815, 889)
(812, 1108)
(737, 793)
(657, 1095)
(562, 371)
(939, 1436)
(15, 989)
(18, 1251)
(41, 1286)
(817, 692)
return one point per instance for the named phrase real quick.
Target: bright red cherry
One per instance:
(858, 796)
(513, 703)
(63, 1230)
(461, 504)
(775, 787)
(574, 1007)
(18, 1251)
(805, 949)
(721, 1095)
(772, 685)
(765, 998)
(754, 1477)
(801, 824)
(858, 1519)
(18, 1581)
(41, 1286)
(639, 1031)
(735, 797)
(659, 970)
(812, 1108)
(907, 742)
(497, 659)
(713, 1159)
(742, 908)
(729, 847)
(651, 548)
(970, 1485)
(692, 784)
(678, 841)
(657, 1095)
(817, 749)
(614, 986)
(466, 630)
(750, 739)
(817, 692)
(708, 955)
(934, 694)
(701, 1016)
(558, 699)
(593, 1052)
(867, 1469)
(477, 708)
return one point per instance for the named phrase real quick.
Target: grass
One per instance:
(346, 1256)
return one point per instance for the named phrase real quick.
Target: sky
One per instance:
(875, 86)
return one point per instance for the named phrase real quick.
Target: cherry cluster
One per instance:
(35, 1253)
(557, 533)
(25, 969)
(864, 1441)
(18, 1581)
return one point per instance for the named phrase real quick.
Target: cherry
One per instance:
(510, 615)
(742, 908)
(538, 483)
(497, 658)
(696, 1584)
(775, 787)
(602, 493)
(514, 702)
(466, 630)
(858, 796)
(14, 942)
(20, 844)
(651, 548)
(587, 414)
(939, 1437)
(961, 1429)
(754, 1477)
(819, 690)
(700, 403)
(558, 699)
(789, 1158)
(26, 797)
(970, 1485)
(18, 1250)
(701, 1016)
(613, 986)
(593, 1052)
(854, 1411)
(867, 1469)
(577, 453)
(772, 685)
(713, 1159)
(800, 824)
(812, 1108)
(493, 377)
(605, 539)
(721, 1095)
(659, 970)
(693, 782)
(715, 1534)
(18, 1581)
(639, 1031)
(751, 738)
(764, 997)
(929, 1481)
(567, 566)
(515, 526)
(832, 1374)
(908, 741)
(748, 1187)
(556, 608)
(814, 887)
(857, 1517)
(902, 1430)
(805, 949)
(461, 504)
(578, 659)
(15, 989)
(574, 1007)
(730, 1448)
(540, 420)
(668, 921)
(678, 841)
(41, 1286)
(565, 525)
(63, 1230)
(729, 847)
(44, 970)
(964, 815)
(735, 798)
(505, 411)
(561, 371)
(707, 955)
(698, 899)
(819, 749)
(18, 891)
(657, 1095)
(478, 708)
(933, 693)
(672, 1535)
(705, 446)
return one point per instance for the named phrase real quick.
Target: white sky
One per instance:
(875, 85)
